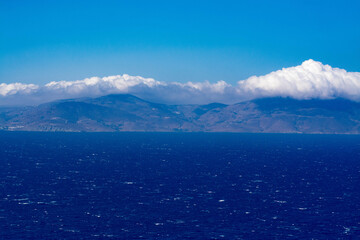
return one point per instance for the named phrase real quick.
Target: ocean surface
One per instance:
(179, 186)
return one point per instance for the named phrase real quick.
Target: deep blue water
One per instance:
(179, 186)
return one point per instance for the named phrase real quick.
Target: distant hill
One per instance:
(123, 112)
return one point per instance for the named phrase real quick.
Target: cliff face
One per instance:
(129, 113)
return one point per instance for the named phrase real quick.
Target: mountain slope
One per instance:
(123, 112)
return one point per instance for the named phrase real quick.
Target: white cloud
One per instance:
(309, 80)
(96, 85)
(16, 88)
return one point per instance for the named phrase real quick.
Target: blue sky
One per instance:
(42, 41)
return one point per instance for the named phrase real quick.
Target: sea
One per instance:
(179, 186)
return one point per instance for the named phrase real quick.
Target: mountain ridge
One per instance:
(126, 112)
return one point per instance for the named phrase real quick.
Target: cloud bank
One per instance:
(309, 80)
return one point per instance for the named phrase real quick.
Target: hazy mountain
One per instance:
(129, 113)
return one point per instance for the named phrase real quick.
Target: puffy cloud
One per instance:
(96, 85)
(148, 88)
(309, 80)
(15, 88)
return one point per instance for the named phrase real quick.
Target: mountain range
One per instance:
(125, 112)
